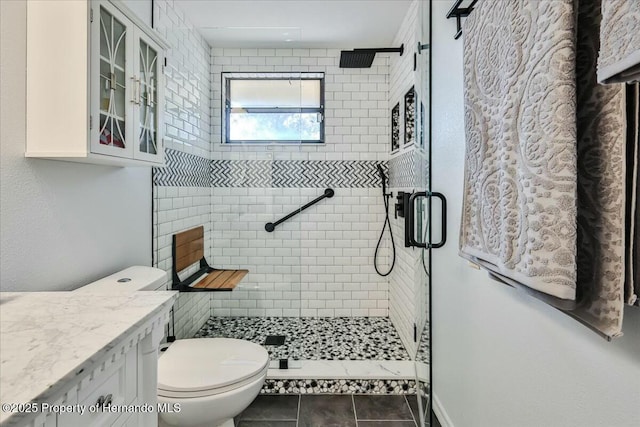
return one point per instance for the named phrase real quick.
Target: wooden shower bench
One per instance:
(187, 249)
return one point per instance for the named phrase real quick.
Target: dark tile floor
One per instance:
(330, 410)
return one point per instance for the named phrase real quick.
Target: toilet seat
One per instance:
(201, 367)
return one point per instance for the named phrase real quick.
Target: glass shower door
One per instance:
(423, 213)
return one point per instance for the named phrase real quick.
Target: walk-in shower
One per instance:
(288, 188)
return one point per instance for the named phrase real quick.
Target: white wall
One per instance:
(62, 224)
(501, 358)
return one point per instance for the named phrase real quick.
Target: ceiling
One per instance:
(297, 23)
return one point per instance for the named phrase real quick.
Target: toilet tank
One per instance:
(137, 278)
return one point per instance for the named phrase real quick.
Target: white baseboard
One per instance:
(441, 413)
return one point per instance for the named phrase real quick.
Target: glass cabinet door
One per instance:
(148, 69)
(111, 110)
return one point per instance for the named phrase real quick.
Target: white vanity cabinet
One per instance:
(94, 365)
(120, 381)
(94, 84)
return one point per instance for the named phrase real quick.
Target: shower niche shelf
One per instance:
(188, 249)
(410, 116)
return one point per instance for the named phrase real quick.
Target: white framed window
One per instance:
(273, 108)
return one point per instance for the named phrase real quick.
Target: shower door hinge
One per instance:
(415, 333)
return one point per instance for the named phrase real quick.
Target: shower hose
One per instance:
(393, 245)
(386, 224)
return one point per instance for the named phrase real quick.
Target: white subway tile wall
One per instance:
(356, 104)
(408, 287)
(320, 263)
(188, 127)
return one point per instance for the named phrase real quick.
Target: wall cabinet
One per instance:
(94, 84)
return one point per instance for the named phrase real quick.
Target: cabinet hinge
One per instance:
(90, 122)
(415, 333)
(91, 15)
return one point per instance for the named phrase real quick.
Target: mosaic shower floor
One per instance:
(307, 338)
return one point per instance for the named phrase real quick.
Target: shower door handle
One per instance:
(410, 223)
(410, 220)
(443, 221)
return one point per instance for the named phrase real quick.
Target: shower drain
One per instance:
(274, 340)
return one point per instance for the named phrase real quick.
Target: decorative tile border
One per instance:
(402, 170)
(296, 173)
(241, 173)
(407, 170)
(188, 170)
(276, 386)
(183, 170)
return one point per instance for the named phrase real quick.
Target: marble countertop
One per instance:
(47, 338)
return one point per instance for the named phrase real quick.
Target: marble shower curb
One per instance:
(343, 377)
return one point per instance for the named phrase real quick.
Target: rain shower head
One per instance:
(363, 58)
(355, 59)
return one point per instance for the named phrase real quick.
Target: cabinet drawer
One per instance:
(112, 385)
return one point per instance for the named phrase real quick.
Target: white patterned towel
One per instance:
(520, 184)
(544, 186)
(619, 58)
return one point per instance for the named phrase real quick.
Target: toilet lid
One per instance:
(201, 364)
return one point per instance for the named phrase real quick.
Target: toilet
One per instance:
(136, 278)
(211, 379)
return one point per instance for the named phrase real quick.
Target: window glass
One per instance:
(273, 107)
(275, 93)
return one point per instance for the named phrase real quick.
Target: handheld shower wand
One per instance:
(385, 200)
(383, 178)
